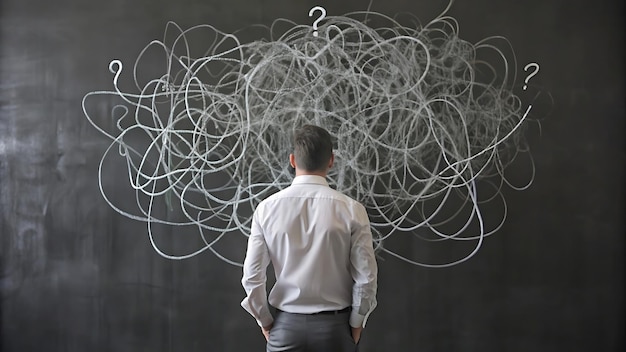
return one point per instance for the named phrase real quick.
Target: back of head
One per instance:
(313, 148)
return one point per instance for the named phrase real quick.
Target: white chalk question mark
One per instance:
(323, 11)
(532, 64)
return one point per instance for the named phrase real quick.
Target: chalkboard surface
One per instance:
(77, 276)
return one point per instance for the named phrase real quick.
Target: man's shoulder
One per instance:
(281, 193)
(272, 196)
(344, 198)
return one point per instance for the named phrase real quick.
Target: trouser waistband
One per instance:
(324, 312)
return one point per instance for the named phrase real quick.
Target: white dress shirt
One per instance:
(320, 244)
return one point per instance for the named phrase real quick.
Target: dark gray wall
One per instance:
(76, 276)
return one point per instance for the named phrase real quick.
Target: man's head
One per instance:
(313, 150)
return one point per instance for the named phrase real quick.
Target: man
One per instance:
(320, 244)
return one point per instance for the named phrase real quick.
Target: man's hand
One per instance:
(356, 334)
(266, 331)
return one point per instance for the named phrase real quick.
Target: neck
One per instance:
(300, 172)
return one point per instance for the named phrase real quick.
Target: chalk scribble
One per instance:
(419, 116)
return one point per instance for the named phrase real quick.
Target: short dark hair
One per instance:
(313, 148)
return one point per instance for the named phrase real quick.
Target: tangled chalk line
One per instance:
(418, 116)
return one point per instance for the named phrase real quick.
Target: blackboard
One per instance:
(77, 276)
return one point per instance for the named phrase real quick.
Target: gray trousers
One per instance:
(311, 333)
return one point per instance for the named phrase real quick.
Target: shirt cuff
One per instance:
(357, 320)
(265, 321)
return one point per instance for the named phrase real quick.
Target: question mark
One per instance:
(532, 64)
(323, 11)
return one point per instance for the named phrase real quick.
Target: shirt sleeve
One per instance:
(255, 276)
(364, 269)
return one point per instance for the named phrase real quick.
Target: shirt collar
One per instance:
(310, 179)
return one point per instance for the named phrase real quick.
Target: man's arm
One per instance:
(255, 276)
(364, 272)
